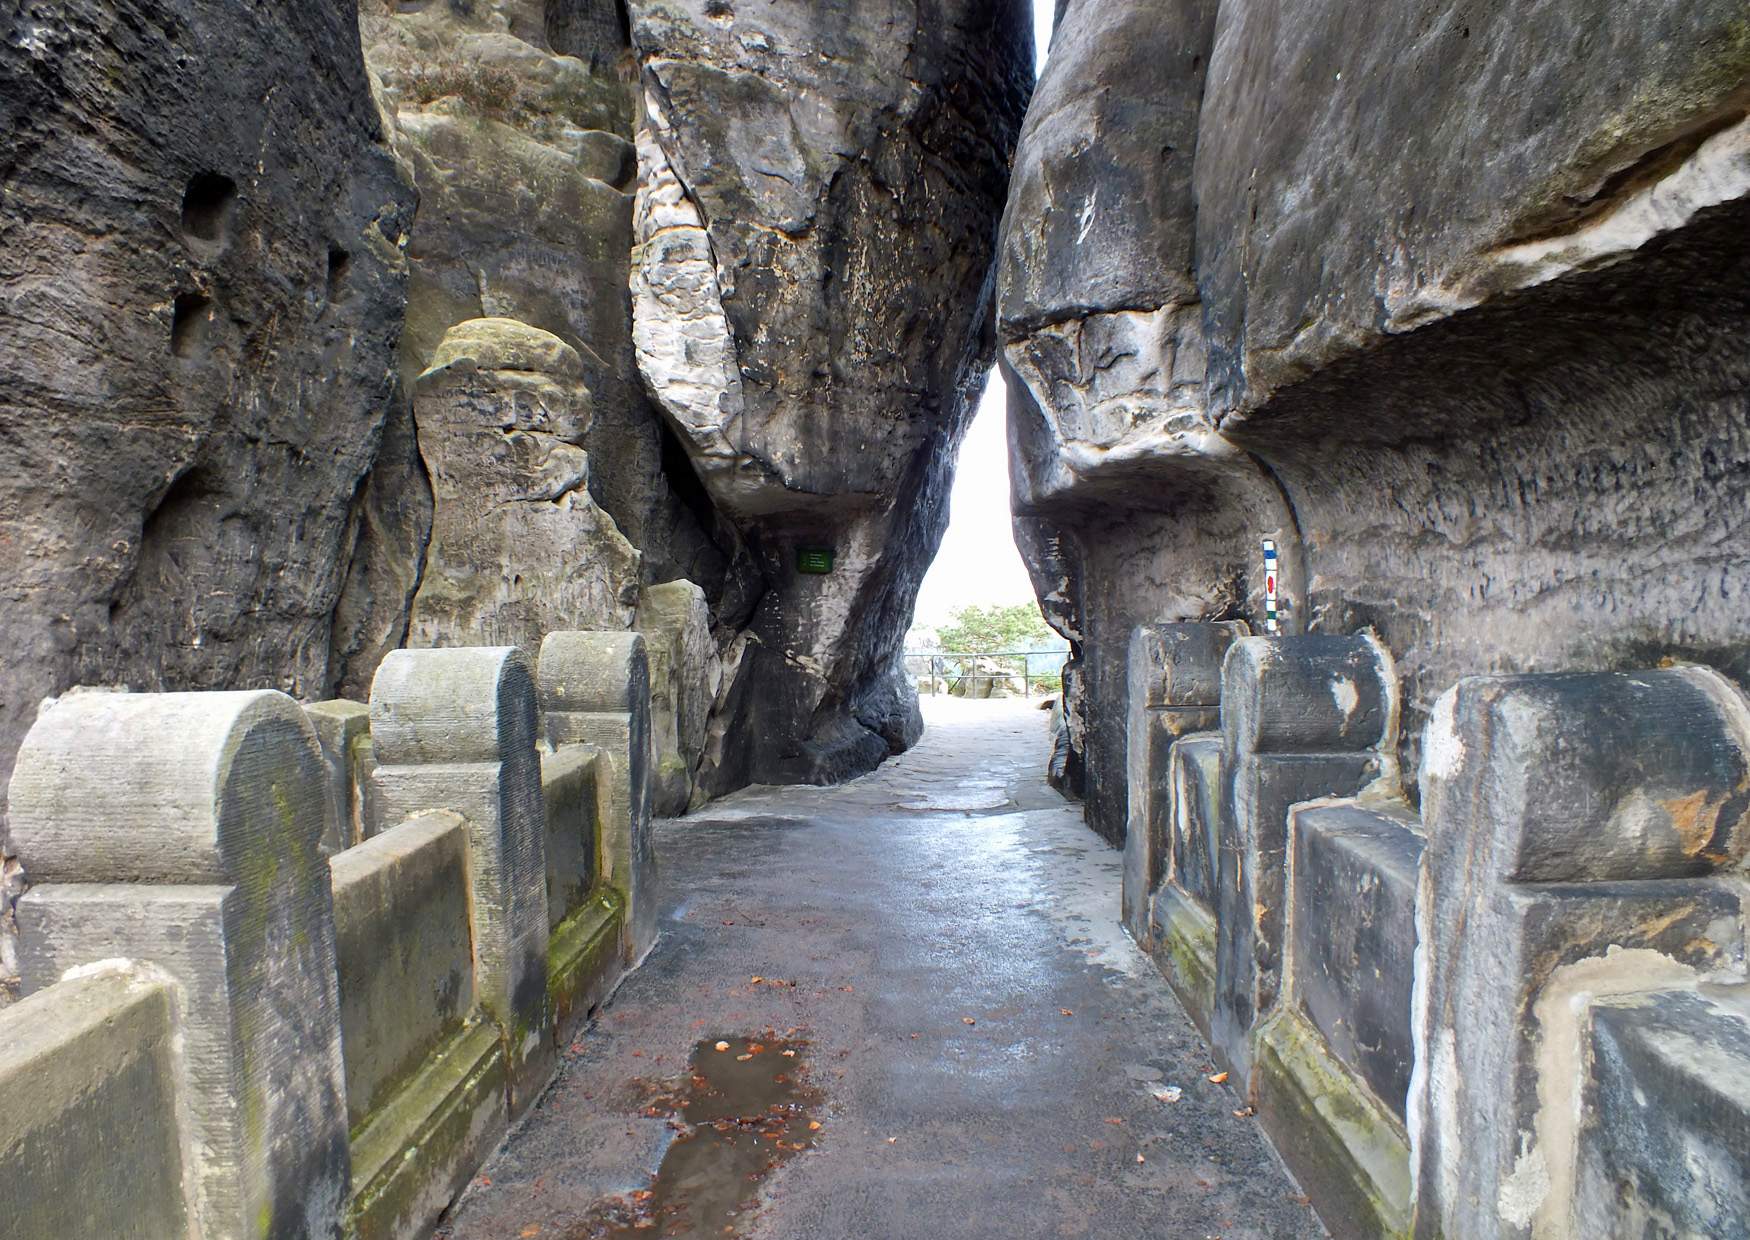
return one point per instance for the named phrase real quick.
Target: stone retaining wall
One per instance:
(291, 972)
(1523, 1013)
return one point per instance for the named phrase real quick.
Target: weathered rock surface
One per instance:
(685, 674)
(817, 191)
(1442, 302)
(201, 289)
(515, 122)
(518, 548)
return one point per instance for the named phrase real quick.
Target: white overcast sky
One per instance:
(978, 562)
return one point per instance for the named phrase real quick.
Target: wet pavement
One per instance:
(977, 1049)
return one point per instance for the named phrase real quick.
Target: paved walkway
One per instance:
(980, 1045)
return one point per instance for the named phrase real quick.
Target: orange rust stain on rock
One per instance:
(1693, 818)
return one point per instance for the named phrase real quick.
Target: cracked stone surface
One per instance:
(899, 916)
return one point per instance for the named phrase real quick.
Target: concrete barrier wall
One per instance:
(1523, 1015)
(427, 1087)
(347, 940)
(91, 1142)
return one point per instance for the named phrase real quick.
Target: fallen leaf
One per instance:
(1113, 1119)
(533, 1229)
(1139, 1158)
(1220, 1078)
(789, 1054)
(1066, 1011)
(967, 1020)
(1244, 1113)
(723, 1046)
(813, 1125)
(756, 979)
(743, 1058)
(891, 1140)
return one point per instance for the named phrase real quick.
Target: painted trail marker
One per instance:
(1270, 578)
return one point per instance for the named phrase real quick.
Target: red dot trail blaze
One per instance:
(1270, 600)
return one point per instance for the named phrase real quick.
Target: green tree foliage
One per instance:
(986, 630)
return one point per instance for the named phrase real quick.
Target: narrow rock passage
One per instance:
(984, 1045)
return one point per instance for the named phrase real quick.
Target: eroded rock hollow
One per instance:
(1447, 303)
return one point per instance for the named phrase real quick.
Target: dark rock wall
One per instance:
(1449, 302)
(201, 281)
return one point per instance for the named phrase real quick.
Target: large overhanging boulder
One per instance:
(818, 189)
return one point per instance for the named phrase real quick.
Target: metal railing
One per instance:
(948, 669)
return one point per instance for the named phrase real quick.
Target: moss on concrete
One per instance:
(1341, 1143)
(415, 1153)
(1184, 951)
(583, 957)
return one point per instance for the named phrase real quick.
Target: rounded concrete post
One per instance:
(1302, 718)
(183, 829)
(1585, 838)
(595, 690)
(454, 729)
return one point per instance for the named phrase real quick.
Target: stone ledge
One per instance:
(583, 959)
(1343, 1146)
(417, 1152)
(1184, 951)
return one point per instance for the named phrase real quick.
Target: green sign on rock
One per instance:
(814, 560)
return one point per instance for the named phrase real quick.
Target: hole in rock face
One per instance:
(746, 1111)
(719, 11)
(339, 269)
(190, 322)
(207, 206)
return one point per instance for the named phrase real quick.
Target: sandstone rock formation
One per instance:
(1354, 282)
(201, 290)
(518, 548)
(319, 340)
(816, 190)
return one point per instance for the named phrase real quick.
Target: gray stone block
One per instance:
(595, 690)
(340, 725)
(1303, 719)
(1174, 689)
(1195, 775)
(88, 1106)
(1334, 1056)
(570, 789)
(183, 829)
(1542, 795)
(1352, 936)
(675, 619)
(1182, 917)
(455, 730)
(427, 1083)
(1665, 1144)
(405, 953)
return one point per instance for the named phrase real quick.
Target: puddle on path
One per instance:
(747, 1111)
